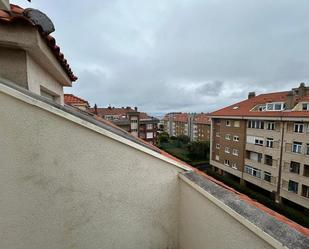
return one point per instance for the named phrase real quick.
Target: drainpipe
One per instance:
(277, 198)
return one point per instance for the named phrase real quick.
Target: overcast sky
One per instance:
(180, 55)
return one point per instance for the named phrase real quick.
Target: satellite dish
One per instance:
(40, 19)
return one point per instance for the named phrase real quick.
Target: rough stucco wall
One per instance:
(64, 186)
(13, 66)
(204, 225)
(38, 77)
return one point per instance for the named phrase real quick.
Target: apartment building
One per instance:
(264, 140)
(195, 126)
(139, 124)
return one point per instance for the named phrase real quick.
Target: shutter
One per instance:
(275, 163)
(277, 126)
(276, 144)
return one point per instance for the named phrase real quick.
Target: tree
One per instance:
(199, 150)
(184, 139)
(163, 137)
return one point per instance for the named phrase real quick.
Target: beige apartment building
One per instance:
(195, 126)
(264, 140)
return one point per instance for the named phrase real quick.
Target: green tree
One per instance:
(199, 150)
(163, 137)
(184, 139)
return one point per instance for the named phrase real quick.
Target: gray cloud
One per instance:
(181, 55)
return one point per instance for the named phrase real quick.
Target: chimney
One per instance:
(290, 102)
(95, 109)
(5, 5)
(251, 95)
(135, 108)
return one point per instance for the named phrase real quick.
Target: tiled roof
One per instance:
(202, 118)
(70, 99)
(112, 111)
(177, 117)
(244, 108)
(17, 15)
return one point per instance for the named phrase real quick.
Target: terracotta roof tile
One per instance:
(202, 118)
(70, 99)
(17, 14)
(244, 108)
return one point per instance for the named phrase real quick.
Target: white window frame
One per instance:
(227, 136)
(235, 152)
(227, 162)
(299, 127)
(270, 142)
(234, 165)
(236, 138)
(217, 158)
(227, 150)
(259, 141)
(217, 146)
(228, 122)
(270, 126)
(297, 147)
(305, 105)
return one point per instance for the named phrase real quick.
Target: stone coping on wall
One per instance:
(274, 228)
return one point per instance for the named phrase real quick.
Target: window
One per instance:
(236, 124)
(235, 152)
(149, 135)
(149, 126)
(277, 106)
(227, 150)
(307, 149)
(133, 130)
(236, 138)
(306, 170)
(217, 134)
(294, 167)
(305, 106)
(227, 162)
(259, 141)
(253, 171)
(305, 191)
(297, 147)
(227, 136)
(218, 146)
(217, 158)
(234, 165)
(228, 123)
(293, 186)
(256, 124)
(268, 160)
(267, 176)
(270, 126)
(299, 127)
(269, 142)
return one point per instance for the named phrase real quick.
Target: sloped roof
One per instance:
(71, 99)
(244, 108)
(202, 118)
(17, 14)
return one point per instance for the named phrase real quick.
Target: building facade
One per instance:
(195, 126)
(264, 140)
(30, 57)
(139, 124)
